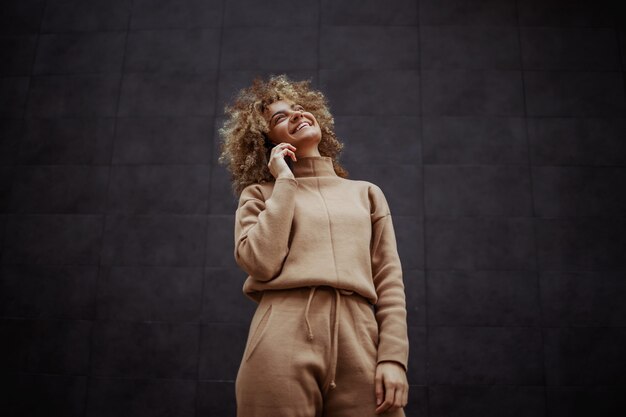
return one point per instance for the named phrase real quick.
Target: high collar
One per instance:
(313, 166)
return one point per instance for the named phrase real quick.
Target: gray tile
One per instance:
(45, 346)
(469, 47)
(418, 401)
(221, 198)
(163, 240)
(485, 356)
(362, 92)
(579, 191)
(551, 48)
(11, 137)
(221, 350)
(73, 95)
(415, 295)
(410, 241)
(566, 13)
(59, 189)
(269, 48)
(35, 290)
(13, 95)
(379, 139)
(622, 41)
(7, 174)
(192, 51)
(583, 298)
(477, 191)
(39, 395)
(223, 297)
(472, 93)
(21, 16)
(150, 397)
(369, 12)
(163, 140)
(278, 13)
(150, 294)
(584, 243)
(585, 400)
(402, 185)
(474, 140)
(462, 12)
(585, 355)
(76, 53)
(86, 15)
(483, 298)
(216, 398)
(220, 242)
(52, 239)
(579, 141)
(156, 350)
(60, 141)
(16, 54)
(418, 359)
(574, 93)
(167, 95)
(159, 189)
(165, 14)
(231, 81)
(494, 400)
(480, 243)
(369, 47)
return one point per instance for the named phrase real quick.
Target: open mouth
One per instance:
(301, 126)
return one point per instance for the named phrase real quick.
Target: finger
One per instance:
(389, 399)
(281, 153)
(287, 145)
(379, 389)
(405, 400)
(399, 398)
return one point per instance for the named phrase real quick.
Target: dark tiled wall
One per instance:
(496, 129)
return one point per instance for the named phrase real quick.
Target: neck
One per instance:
(313, 166)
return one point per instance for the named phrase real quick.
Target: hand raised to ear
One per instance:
(277, 165)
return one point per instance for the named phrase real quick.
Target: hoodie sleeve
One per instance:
(387, 275)
(262, 228)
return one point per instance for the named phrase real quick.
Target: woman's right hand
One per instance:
(277, 164)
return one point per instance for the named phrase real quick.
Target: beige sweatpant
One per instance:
(310, 352)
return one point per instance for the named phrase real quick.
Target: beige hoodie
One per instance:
(322, 229)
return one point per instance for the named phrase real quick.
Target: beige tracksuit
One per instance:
(320, 251)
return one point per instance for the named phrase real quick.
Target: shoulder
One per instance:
(375, 196)
(256, 191)
(373, 190)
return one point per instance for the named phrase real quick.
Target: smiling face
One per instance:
(290, 122)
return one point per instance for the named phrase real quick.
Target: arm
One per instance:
(262, 228)
(392, 387)
(387, 276)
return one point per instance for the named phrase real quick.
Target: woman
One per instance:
(329, 335)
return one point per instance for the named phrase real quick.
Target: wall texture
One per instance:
(496, 128)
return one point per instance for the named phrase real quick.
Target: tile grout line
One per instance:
(212, 164)
(424, 249)
(104, 212)
(533, 214)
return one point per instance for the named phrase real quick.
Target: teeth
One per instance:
(302, 125)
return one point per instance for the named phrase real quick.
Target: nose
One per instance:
(296, 112)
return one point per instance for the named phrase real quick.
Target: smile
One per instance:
(302, 125)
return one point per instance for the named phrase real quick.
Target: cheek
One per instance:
(279, 133)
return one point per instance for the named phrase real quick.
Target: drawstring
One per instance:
(333, 364)
(306, 313)
(334, 346)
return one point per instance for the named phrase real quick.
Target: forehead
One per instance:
(284, 104)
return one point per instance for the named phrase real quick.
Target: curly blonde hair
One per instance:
(245, 146)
